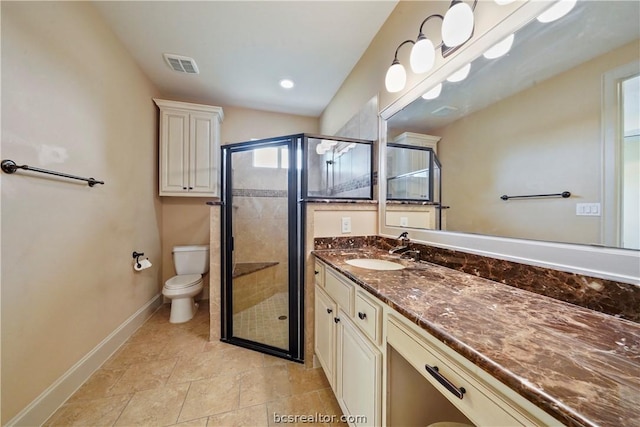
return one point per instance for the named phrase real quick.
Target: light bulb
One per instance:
(396, 77)
(460, 75)
(433, 93)
(457, 25)
(503, 2)
(557, 11)
(500, 48)
(423, 55)
(286, 84)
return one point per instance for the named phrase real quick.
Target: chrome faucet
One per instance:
(413, 254)
(403, 246)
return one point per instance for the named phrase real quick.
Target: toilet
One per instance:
(191, 262)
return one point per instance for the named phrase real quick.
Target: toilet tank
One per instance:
(191, 259)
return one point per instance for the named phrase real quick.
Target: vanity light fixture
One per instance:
(433, 93)
(460, 75)
(396, 76)
(423, 52)
(457, 28)
(457, 25)
(500, 48)
(325, 146)
(557, 11)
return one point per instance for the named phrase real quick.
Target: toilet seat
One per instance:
(183, 281)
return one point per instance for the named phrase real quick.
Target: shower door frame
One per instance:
(295, 245)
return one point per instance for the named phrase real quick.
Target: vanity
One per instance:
(425, 343)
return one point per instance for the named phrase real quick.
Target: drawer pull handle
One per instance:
(316, 272)
(362, 315)
(329, 310)
(457, 391)
(336, 319)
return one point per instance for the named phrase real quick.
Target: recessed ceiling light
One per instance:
(286, 83)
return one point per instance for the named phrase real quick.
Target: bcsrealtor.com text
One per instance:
(318, 418)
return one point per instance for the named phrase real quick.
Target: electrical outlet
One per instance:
(404, 221)
(346, 224)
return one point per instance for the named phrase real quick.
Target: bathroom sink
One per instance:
(375, 264)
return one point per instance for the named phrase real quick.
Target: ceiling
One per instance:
(244, 48)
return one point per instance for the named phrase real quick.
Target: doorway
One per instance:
(262, 270)
(621, 157)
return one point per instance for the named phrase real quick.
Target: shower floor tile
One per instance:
(263, 322)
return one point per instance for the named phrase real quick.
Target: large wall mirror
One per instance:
(543, 119)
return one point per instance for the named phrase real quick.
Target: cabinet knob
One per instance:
(190, 188)
(362, 315)
(329, 310)
(316, 272)
(184, 188)
(336, 319)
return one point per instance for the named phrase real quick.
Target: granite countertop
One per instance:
(579, 365)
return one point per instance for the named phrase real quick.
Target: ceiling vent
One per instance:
(181, 64)
(444, 111)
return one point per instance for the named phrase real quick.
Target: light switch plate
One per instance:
(588, 209)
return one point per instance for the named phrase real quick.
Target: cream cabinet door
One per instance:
(325, 333)
(174, 151)
(203, 153)
(359, 375)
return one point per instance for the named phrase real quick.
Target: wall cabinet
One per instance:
(189, 149)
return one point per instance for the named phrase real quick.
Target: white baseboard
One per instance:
(38, 411)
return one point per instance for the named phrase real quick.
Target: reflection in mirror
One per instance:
(413, 182)
(531, 122)
(338, 168)
(413, 169)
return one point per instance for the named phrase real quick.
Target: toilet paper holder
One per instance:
(137, 256)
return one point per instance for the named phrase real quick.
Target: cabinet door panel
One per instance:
(202, 156)
(359, 375)
(174, 151)
(325, 334)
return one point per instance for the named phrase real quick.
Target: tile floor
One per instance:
(262, 322)
(169, 374)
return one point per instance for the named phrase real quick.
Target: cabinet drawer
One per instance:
(340, 290)
(476, 402)
(318, 271)
(368, 316)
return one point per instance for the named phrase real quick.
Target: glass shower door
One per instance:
(260, 232)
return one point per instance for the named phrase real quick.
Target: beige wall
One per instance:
(327, 220)
(73, 100)
(546, 139)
